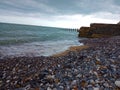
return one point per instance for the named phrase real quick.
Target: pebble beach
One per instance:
(96, 67)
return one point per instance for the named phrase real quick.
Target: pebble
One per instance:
(94, 68)
(74, 82)
(83, 83)
(49, 88)
(79, 75)
(8, 81)
(50, 76)
(92, 82)
(0, 83)
(117, 83)
(95, 88)
(27, 87)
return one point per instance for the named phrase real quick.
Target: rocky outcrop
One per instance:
(118, 23)
(83, 31)
(97, 30)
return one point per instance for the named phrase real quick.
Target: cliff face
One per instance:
(97, 30)
(83, 31)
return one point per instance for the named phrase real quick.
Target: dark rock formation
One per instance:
(97, 30)
(83, 31)
(118, 23)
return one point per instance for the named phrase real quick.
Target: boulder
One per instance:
(83, 31)
(97, 30)
(118, 23)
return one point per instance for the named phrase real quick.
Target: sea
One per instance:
(28, 40)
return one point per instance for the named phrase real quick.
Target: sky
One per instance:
(60, 13)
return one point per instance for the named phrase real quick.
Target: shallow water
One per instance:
(23, 40)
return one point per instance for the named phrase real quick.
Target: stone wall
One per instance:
(97, 30)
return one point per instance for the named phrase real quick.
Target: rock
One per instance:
(75, 88)
(97, 30)
(37, 88)
(118, 23)
(79, 75)
(54, 88)
(8, 81)
(95, 88)
(28, 66)
(49, 88)
(57, 80)
(98, 62)
(58, 65)
(83, 83)
(1, 83)
(74, 82)
(106, 84)
(27, 79)
(83, 31)
(50, 76)
(95, 73)
(27, 87)
(92, 82)
(14, 70)
(17, 86)
(117, 83)
(61, 87)
(43, 74)
(71, 72)
(50, 79)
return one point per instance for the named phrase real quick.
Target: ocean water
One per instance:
(25, 40)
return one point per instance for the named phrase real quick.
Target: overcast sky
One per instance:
(60, 13)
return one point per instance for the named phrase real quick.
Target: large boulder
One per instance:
(118, 23)
(83, 31)
(97, 30)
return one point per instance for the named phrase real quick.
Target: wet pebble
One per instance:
(117, 83)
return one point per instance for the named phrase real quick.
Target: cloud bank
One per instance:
(60, 13)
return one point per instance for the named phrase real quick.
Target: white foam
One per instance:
(46, 48)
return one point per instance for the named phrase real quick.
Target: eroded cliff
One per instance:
(97, 30)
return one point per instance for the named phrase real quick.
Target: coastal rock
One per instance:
(118, 23)
(84, 31)
(97, 30)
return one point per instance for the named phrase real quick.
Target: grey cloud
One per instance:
(58, 11)
(91, 6)
(53, 7)
(26, 6)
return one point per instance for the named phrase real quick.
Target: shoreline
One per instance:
(91, 67)
(36, 49)
(71, 49)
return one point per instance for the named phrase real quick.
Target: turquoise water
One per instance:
(26, 40)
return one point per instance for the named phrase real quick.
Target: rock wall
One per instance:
(83, 31)
(97, 30)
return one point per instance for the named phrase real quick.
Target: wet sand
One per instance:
(95, 66)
